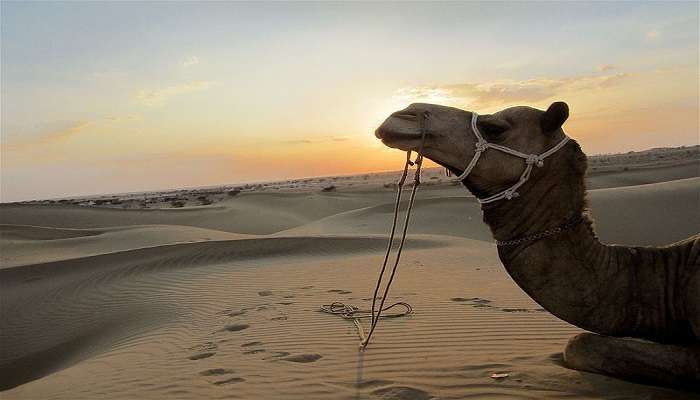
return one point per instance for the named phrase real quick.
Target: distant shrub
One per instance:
(233, 192)
(330, 188)
(390, 185)
(206, 201)
(177, 203)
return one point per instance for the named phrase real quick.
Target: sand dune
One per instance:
(252, 213)
(652, 214)
(222, 301)
(75, 293)
(24, 244)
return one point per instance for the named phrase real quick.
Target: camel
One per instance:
(640, 305)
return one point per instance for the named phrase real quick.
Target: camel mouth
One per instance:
(401, 130)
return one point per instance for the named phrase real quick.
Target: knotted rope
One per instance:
(351, 312)
(531, 160)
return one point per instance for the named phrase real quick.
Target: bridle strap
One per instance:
(482, 145)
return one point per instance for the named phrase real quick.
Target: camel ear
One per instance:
(554, 117)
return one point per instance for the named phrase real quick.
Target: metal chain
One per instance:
(540, 235)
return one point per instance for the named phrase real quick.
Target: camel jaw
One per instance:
(400, 131)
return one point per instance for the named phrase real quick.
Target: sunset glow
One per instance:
(116, 97)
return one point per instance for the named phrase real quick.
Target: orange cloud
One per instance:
(505, 92)
(156, 97)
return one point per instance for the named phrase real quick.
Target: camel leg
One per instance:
(676, 366)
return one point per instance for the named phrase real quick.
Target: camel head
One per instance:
(450, 141)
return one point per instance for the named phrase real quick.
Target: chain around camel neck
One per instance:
(541, 235)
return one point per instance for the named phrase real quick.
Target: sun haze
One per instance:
(116, 97)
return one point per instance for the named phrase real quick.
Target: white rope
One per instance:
(482, 145)
(347, 311)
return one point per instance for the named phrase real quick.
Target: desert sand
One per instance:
(221, 300)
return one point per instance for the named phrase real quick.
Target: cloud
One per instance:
(297, 141)
(65, 133)
(653, 34)
(606, 67)
(25, 137)
(42, 133)
(158, 97)
(315, 140)
(190, 61)
(503, 92)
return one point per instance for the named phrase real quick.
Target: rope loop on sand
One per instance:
(348, 311)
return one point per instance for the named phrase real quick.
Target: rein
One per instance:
(346, 311)
(351, 312)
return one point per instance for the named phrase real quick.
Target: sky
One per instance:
(118, 97)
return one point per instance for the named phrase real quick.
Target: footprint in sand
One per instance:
(280, 318)
(339, 291)
(216, 372)
(235, 379)
(264, 293)
(402, 393)
(479, 302)
(234, 328)
(475, 301)
(204, 350)
(522, 310)
(200, 356)
(220, 372)
(303, 358)
(250, 348)
(286, 303)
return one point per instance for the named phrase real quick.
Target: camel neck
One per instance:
(560, 272)
(602, 288)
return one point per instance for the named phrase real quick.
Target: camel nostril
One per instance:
(406, 115)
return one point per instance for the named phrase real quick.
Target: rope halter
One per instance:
(531, 160)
